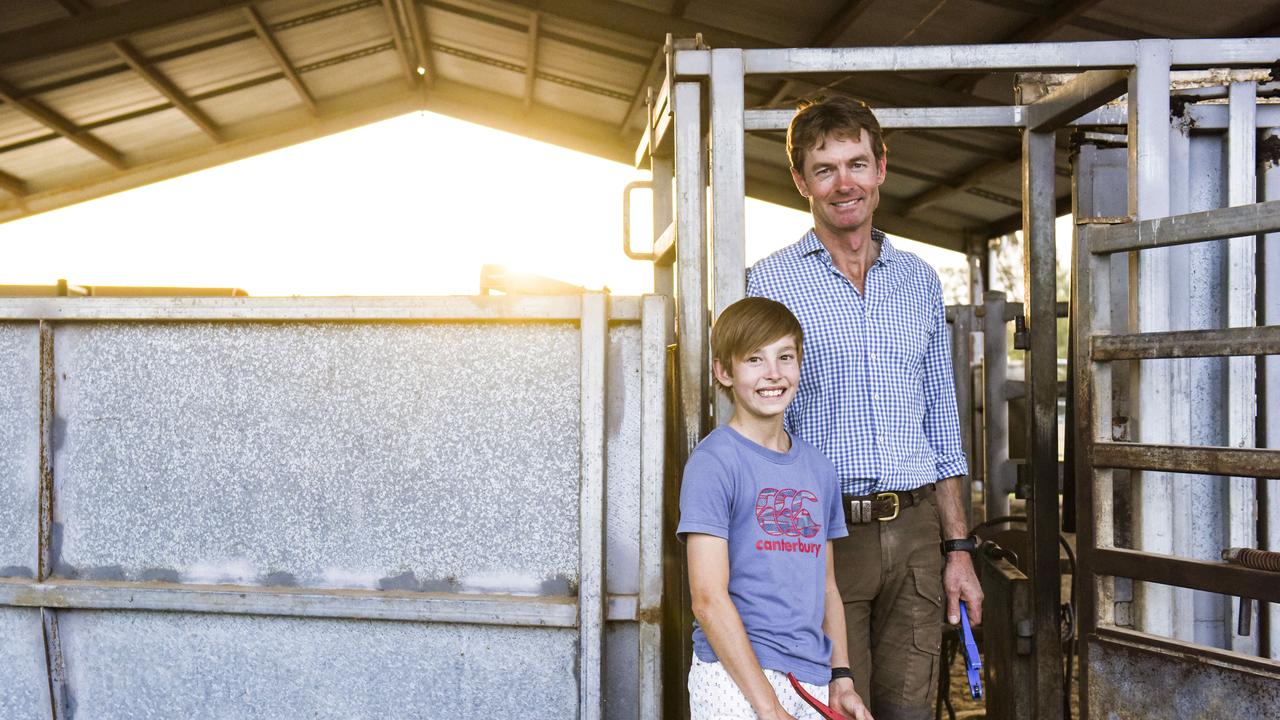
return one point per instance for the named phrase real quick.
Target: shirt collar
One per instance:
(810, 244)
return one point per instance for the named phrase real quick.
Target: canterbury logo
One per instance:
(782, 513)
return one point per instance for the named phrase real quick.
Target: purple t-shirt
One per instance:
(777, 510)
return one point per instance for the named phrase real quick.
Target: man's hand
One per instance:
(961, 583)
(845, 700)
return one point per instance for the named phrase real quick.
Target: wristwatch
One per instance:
(966, 544)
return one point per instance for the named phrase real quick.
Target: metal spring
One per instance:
(1250, 558)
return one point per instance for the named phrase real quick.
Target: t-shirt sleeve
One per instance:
(836, 527)
(705, 497)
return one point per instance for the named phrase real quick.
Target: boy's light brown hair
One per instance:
(749, 324)
(838, 117)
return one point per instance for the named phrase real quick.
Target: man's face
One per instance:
(842, 180)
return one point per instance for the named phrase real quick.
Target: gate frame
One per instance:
(681, 137)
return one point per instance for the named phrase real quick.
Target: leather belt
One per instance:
(883, 506)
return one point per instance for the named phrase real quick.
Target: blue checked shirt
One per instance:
(876, 393)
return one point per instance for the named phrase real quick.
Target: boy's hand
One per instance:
(776, 713)
(845, 700)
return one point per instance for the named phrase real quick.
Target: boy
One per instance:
(758, 509)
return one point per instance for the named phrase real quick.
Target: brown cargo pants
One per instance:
(890, 578)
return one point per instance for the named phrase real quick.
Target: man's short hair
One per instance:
(823, 117)
(750, 324)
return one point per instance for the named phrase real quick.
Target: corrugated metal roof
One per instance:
(103, 95)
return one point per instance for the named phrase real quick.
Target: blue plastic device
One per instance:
(972, 660)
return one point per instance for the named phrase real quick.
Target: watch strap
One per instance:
(959, 544)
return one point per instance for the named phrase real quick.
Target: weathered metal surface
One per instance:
(24, 681)
(19, 448)
(319, 455)
(1239, 462)
(593, 339)
(1067, 102)
(476, 609)
(1042, 416)
(657, 333)
(625, 418)
(728, 195)
(515, 308)
(1189, 228)
(235, 666)
(1188, 343)
(691, 261)
(1136, 677)
(1217, 577)
(1008, 615)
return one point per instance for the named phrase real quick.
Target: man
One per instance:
(877, 397)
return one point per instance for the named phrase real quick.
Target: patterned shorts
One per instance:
(713, 695)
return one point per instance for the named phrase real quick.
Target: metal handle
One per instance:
(626, 219)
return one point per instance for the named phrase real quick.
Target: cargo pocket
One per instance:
(926, 635)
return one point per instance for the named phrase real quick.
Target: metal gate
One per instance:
(215, 508)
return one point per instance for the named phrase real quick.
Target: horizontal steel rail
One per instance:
(1206, 460)
(1216, 577)
(993, 116)
(479, 609)
(467, 608)
(1263, 340)
(461, 308)
(1183, 229)
(1113, 635)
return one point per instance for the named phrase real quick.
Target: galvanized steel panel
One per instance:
(393, 456)
(19, 450)
(621, 671)
(154, 136)
(220, 66)
(24, 682)
(353, 74)
(253, 103)
(218, 667)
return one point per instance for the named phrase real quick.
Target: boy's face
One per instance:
(763, 381)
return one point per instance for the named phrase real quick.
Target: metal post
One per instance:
(995, 409)
(594, 329)
(962, 370)
(1241, 312)
(1269, 290)
(1149, 310)
(728, 192)
(663, 171)
(691, 260)
(1038, 203)
(655, 331)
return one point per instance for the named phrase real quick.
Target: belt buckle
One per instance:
(897, 505)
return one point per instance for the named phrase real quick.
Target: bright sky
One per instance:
(409, 206)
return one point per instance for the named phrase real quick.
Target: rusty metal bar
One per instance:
(1264, 340)
(1068, 102)
(44, 561)
(477, 609)
(1196, 653)
(1207, 460)
(1216, 577)
(1189, 228)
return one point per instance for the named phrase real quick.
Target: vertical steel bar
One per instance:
(962, 369)
(55, 666)
(728, 191)
(594, 328)
(662, 170)
(1269, 289)
(655, 333)
(1242, 312)
(1180, 318)
(691, 260)
(995, 409)
(1149, 305)
(1038, 211)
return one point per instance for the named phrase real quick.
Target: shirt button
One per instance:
(875, 396)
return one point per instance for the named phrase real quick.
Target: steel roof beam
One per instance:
(157, 80)
(831, 31)
(104, 25)
(277, 52)
(402, 47)
(642, 91)
(14, 184)
(64, 127)
(418, 33)
(531, 60)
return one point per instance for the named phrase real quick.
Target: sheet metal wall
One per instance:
(409, 455)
